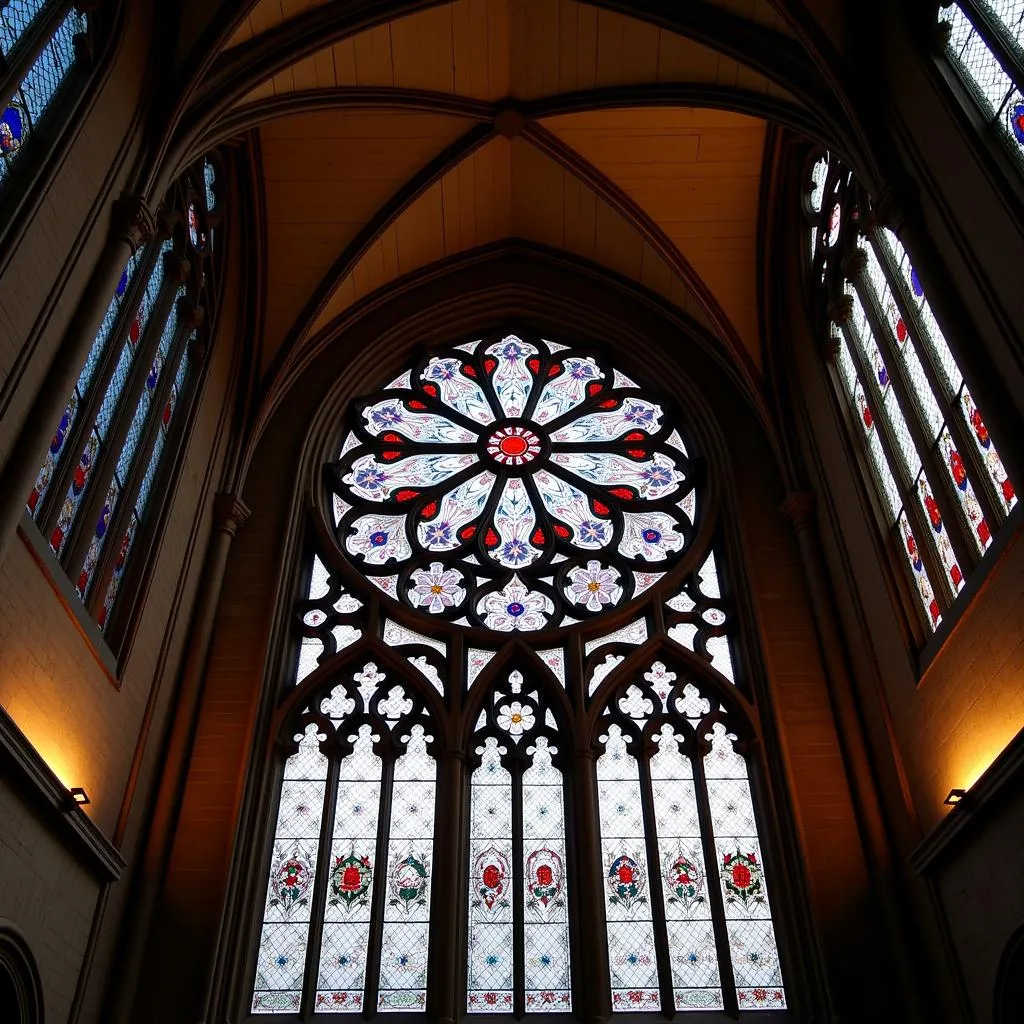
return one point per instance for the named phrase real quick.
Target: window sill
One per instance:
(65, 591)
(1008, 535)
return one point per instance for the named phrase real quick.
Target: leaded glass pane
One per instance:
(405, 936)
(82, 388)
(284, 936)
(41, 82)
(755, 956)
(1000, 484)
(545, 890)
(631, 956)
(350, 885)
(995, 91)
(691, 937)
(491, 946)
(146, 488)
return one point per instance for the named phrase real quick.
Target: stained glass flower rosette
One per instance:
(513, 485)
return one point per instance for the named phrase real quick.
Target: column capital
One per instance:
(177, 267)
(229, 512)
(798, 508)
(855, 263)
(134, 221)
(894, 205)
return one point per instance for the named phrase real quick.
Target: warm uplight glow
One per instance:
(955, 796)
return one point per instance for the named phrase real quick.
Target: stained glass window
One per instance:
(986, 44)
(125, 413)
(399, 640)
(43, 67)
(519, 956)
(353, 853)
(686, 897)
(942, 486)
(513, 484)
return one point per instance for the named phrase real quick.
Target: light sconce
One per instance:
(78, 796)
(955, 796)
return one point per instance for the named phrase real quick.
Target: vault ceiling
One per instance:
(389, 148)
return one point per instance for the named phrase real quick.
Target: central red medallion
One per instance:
(513, 445)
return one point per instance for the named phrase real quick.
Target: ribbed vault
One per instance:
(392, 136)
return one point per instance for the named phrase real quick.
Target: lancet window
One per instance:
(985, 43)
(942, 488)
(39, 44)
(524, 612)
(98, 493)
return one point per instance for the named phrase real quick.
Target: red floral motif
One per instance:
(492, 876)
(741, 876)
(956, 467)
(544, 874)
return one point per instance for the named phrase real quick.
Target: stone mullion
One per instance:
(447, 916)
(371, 982)
(593, 946)
(318, 898)
(966, 554)
(121, 517)
(89, 511)
(911, 507)
(654, 884)
(714, 882)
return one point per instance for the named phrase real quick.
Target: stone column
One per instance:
(798, 508)
(133, 225)
(446, 963)
(229, 513)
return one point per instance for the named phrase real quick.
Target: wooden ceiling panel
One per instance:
(508, 189)
(268, 14)
(696, 174)
(527, 49)
(325, 175)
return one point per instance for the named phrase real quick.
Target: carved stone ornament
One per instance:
(134, 221)
(229, 512)
(841, 311)
(855, 263)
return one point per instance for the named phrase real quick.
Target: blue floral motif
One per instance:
(592, 532)
(378, 539)
(439, 533)
(512, 352)
(515, 609)
(389, 416)
(651, 536)
(641, 415)
(370, 477)
(515, 551)
(657, 475)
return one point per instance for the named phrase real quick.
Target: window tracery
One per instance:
(525, 719)
(129, 408)
(941, 483)
(38, 48)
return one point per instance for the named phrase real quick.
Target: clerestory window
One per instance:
(522, 603)
(99, 492)
(39, 44)
(985, 44)
(942, 490)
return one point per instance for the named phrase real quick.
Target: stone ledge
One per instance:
(53, 803)
(959, 824)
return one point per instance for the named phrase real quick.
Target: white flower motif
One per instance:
(436, 588)
(515, 608)
(650, 535)
(593, 586)
(516, 718)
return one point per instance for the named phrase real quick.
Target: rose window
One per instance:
(514, 485)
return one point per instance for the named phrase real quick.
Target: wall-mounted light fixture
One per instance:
(955, 796)
(78, 796)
